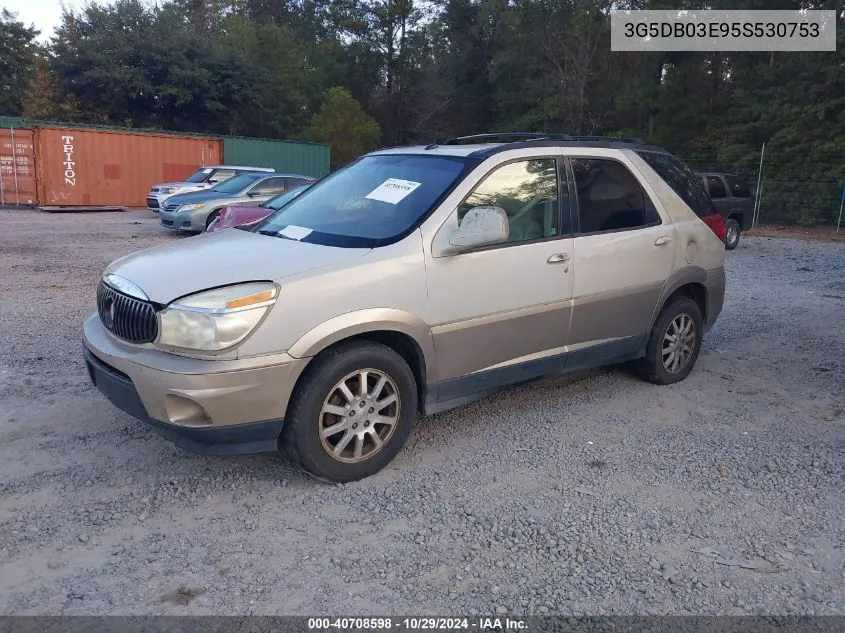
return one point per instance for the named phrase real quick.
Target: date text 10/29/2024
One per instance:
(417, 624)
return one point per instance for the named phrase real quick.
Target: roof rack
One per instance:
(515, 137)
(608, 139)
(506, 137)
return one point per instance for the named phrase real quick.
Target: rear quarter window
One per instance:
(681, 179)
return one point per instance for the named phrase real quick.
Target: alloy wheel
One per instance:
(359, 415)
(678, 343)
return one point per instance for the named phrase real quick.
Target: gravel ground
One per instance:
(594, 494)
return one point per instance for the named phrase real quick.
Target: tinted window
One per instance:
(295, 182)
(738, 188)
(609, 197)
(527, 191)
(200, 176)
(682, 181)
(269, 186)
(236, 184)
(371, 202)
(221, 174)
(717, 187)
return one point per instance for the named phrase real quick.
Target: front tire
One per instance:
(352, 412)
(211, 218)
(732, 231)
(674, 343)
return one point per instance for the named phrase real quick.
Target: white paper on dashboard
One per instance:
(393, 190)
(295, 232)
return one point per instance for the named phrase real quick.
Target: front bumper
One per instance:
(218, 407)
(155, 201)
(183, 220)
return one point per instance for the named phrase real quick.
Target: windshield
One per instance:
(371, 202)
(236, 183)
(200, 176)
(279, 201)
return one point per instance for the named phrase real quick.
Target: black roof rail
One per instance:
(506, 137)
(608, 139)
(515, 137)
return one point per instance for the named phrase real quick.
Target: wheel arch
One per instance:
(691, 283)
(407, 335)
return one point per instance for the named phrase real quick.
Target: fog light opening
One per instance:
(184, 411)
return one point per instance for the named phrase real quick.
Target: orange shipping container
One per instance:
(17, 167)
(95, 168)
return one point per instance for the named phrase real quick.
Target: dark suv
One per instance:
(733, 200)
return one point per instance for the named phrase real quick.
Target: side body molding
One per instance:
(357, 322)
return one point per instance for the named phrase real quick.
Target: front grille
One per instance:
(152, 203)
(170, 206)
(126, 317)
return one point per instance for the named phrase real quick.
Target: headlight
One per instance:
(216, 319)
(170, 190)
(192, 207)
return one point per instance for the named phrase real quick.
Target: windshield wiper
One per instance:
(275, 234)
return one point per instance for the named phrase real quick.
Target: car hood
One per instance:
(210, 260)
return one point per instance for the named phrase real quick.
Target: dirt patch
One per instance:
(814, 233)
(591, 494)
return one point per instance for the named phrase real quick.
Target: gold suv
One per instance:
(414, 280)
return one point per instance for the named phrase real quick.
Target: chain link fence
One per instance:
(806, 194)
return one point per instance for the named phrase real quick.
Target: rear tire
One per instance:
(338, 438)
(674, 343)
(732, 231)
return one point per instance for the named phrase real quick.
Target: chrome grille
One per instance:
(170, 206)
(126, 317)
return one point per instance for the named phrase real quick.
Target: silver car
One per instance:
(412, 281)
(204, 178)
(196, 210)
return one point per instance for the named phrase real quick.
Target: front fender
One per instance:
(359, 322)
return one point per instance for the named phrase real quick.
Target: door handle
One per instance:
(662, 241)
(558, 258)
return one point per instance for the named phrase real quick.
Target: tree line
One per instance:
(364, 73)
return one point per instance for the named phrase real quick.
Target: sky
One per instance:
(46, 15)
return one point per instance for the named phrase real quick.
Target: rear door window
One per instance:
(609, 197)
(717, 187)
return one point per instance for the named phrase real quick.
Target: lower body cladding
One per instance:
(218, 407)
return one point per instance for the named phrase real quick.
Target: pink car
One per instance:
(231, 217)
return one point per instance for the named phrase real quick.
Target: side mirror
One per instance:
(481, 226)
